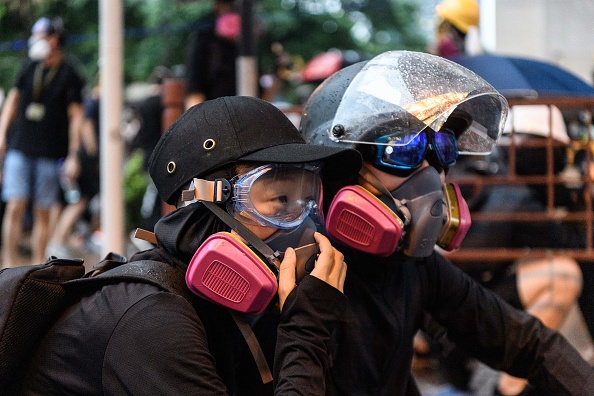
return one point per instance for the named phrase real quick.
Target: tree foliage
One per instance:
(156, 30)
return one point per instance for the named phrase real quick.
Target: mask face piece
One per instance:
(358, 219)
(228, 272)
(39, 49)
(228, 26)
(447, 47)
(418, 215)
(301, 239)
(422, 194)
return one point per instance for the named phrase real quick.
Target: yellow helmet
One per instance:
(460, 13)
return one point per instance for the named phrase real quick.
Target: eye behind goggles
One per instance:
(407, 150)
(277, 195)
(273, 195)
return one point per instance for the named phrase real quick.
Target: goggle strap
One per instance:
(245, 233)
(377, 184)
(217, 190)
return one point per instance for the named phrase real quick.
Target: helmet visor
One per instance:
(410, 91)
(277, 195)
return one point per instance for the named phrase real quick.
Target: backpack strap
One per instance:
(157, 273)
(115, 268)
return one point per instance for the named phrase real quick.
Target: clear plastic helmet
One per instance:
(401, 94)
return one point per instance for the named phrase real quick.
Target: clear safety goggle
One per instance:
(277, 195)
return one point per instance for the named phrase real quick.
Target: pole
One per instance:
(110, 58)
(247, 69)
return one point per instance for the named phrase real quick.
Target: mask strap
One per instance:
(272, 257)
(254, 345)
(372, 179)
(258, 244)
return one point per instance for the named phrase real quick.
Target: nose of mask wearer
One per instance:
(39, 50)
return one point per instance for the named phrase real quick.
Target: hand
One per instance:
(330, 267)
(71, 167)
(286, 276)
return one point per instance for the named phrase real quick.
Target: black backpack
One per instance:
(32, 297)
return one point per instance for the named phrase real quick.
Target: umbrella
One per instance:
(516, 77)
(323, 65)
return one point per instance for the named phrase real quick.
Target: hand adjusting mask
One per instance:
(241, 276)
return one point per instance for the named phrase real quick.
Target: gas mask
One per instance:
(239, 276)
(243, 275)
(439, 214)
(39, 49)
(413, 218)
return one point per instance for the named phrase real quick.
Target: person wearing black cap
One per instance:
(46, 107)
(240, 174)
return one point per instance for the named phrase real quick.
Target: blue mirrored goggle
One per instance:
(406, 150)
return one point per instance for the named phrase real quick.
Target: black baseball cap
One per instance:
(220, 132)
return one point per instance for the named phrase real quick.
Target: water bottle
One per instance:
(71, 190)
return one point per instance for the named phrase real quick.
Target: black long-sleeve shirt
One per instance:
(133, 338)
(387, 298)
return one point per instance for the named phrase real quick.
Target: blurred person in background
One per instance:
(211, 51)
(457, 28)
(78, 193)
(46, 107)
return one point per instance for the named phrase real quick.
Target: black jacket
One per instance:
(132, 338)
(387, 299)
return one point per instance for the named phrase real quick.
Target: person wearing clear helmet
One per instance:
(46, 107)
(410, 115)
(246, 188)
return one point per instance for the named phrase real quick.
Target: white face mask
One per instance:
(39, 50)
